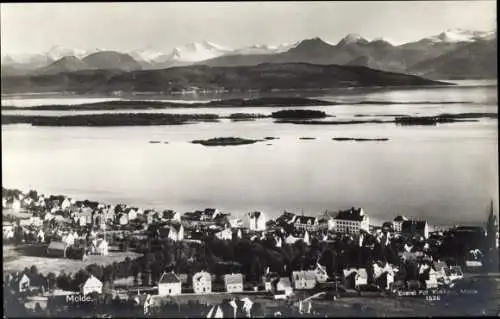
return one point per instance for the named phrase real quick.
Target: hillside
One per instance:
(111, 60)
(65, 64)
(264, 77)
(474, 60)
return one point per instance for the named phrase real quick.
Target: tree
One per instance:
(51, 280)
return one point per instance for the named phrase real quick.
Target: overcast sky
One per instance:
(29, 28)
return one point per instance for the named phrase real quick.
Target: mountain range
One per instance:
(452, 54)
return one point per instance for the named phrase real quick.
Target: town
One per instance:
(64, 256)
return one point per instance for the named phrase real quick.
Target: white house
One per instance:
(257, 221)
(66, 203)
(169, 285)
(356, 276)
(233, 282)
(92, 284)
(122, 219)
(69, 239)
(351, 221)
(100, 247)
(131, 213)
(304, 279)
(22, 284)
(202, 283)
(306, 223)
(225, 234)
(379, 269)
(398, 222)
(176, 232)
(321, 275)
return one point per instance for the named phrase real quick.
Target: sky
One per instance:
(36, 27)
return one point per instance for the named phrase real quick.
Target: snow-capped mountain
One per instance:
(148, 54)
(459, 35)
(194, 52)
(265, 48)
(57, 52)
(352, 38)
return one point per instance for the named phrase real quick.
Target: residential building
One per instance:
(351, 221)
(57, 249)
(92, 284)
(173, 231)
(169, 284)
(22, 284)
(122, 219)
(225, 234)
(257, 221)
(202, 282)
(412, 228)
(304, 279)
(308, 223)
(100, 247)
(383, 275)
(397, 223)
(356, 277)
(233, 283)
(321, 274)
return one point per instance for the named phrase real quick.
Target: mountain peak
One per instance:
(352, 38)
(458, 35)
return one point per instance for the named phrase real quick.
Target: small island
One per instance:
(299, 114)
(269, 138)
(225, 141)
(307, 138)
(154, 142)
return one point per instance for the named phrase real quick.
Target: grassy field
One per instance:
(14, 261)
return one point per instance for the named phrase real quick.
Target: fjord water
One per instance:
(446, 174)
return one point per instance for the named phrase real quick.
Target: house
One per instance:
(306, 223)
(122, 219)
(383, 275)
(57, 249)
(66, 203)
(22, 284)
(397, 223)
(307, 238)
(225, 234)
(304, 279)
(69, 239)
(174, 231)
(100, 247)
(7, 227)
(237, 233)
(411, 228)
(131, 213)
(233, 283)
(356, 277)
(169, 285)
(351, 221)
(257, 221)
(92, 284)
(321, 275)
(202, 282)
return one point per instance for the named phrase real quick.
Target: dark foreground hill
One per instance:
(263, 77)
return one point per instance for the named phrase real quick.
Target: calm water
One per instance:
(447, 174)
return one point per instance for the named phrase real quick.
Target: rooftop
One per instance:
(355, 214)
